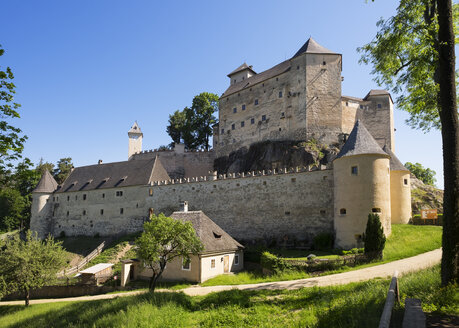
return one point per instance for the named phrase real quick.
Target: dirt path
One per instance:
(404, 266)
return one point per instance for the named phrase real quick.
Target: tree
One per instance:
(374, 237)
(413, 55)
(12, 207)
(11, 141)
(30, 263)
(42, 166)
(163, 240)
(194, 125)
(426, 175)
(64, 167)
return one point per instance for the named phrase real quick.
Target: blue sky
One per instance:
(86, 70)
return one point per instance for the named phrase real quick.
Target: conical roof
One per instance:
(135, 129)
(241, 68)
(311, 46)
(360, 142)
(46, 183)
(395, 164)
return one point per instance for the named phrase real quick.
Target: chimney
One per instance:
(100, 162)
(184, 206)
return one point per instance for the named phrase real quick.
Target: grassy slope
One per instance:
(405, 241)
(353, 305)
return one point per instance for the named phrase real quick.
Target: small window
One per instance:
(263, 117)
(293, 179)
(101, 212)
(236, 259)
(150, 192)
(234, 110)
(376, 210)
(68, 213)
(354, 170)
(121, 210)
(361, 106)
(252, 121)
(103, 195)
(119, 193)
(68, 198)
(233, 126)
(256, 101)
(342, 211)
(84, 196)
(76, 197)
(186, 264)
(212, 263)
(84, 212)
(287, 213)
(277, 79)
(280, 94)
(223, 131)
(298, 67)
(243, 107)
(54, 199)
(347, 103)
(379, 105)
(242, 124)
(324, 63)
(405, 182)
(322, 212)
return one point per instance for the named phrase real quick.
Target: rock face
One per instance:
(425, 197)
(270, 155)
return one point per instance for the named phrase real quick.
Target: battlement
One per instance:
(213, 176)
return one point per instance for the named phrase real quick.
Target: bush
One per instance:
(273, 263)
(374, 237)
(323, 241)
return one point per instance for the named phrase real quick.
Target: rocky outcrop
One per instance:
(425, 197)
(270, 155)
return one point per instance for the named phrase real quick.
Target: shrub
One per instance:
(323, 241)
(272, 262)
(374, 237)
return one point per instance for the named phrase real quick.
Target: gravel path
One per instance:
(403, 266)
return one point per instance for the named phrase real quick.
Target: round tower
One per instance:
(135, 140)
(400, 190)
(41, 209)
(361, 186)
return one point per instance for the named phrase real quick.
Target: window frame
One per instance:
(189, 265)
(236, 256)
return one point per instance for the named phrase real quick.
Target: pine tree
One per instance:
(374, 238)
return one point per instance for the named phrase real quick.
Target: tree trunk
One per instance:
(450, 137)
(27, 297)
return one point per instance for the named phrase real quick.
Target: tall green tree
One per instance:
(413, 55)
(426, 175)
(11, 140)
(63, 169)
(163, 240)
(176, 126)
(12, 208)
(374, 238)
(30, 263)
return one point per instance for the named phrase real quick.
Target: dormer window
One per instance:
(216, 235)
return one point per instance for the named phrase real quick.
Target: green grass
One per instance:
(405, 241)
(353, 305)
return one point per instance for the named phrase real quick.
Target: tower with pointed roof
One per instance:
(135, 140)
(41, 206)
(361, 174)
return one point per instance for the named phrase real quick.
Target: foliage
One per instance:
(12, 206)
(374, 238)
(64, 167)
(163, 240)
(11, 141)
(274, 263)
(404, 56)
(30, 263)
(42, 166)
(426, 175)
(323, 241)
(194, 124)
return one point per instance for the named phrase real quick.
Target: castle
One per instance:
(297, 100)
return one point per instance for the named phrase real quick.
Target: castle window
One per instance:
(280, 94)
(324, 63)
(361, 106)
(263, 117)
(234, 81)
(101, 212)
(121, 210)
(233, 126)
(379, 105)
(84, 212)
(54, 199)
(322, 212)
(84, 196)
(68, 198)
(212, 264)
(242, 124)
(223, 131)
(376, 210)
(76, 197)
(354, 170)
(103, 195)
(277, 79)
(150, 192)
(236, 259)
(405, 182)
(186, 264)
(298, 67)
(293, 179)
(342, 211)
(256, 101)
(347, 103)
(243, 107)
(287, 213)
(119, 193)
(68, 213)
(252, 121)
(234, 110)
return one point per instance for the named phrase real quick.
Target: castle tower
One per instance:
(41, 206)
(241, 73)
(400, 190)
(135, 140)
(361, 186)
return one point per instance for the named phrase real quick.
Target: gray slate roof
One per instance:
(360, 142)
(312, 47)
(395, 164)
(46, 183)
(213, 237)
(111, 175)
(135, 128)
(241, 68)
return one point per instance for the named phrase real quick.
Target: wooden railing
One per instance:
(392, 296)
(83, 262)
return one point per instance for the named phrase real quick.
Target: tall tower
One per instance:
(41, 206)
(135, 140)
(361, 186)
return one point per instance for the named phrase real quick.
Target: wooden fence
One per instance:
(83, 262)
